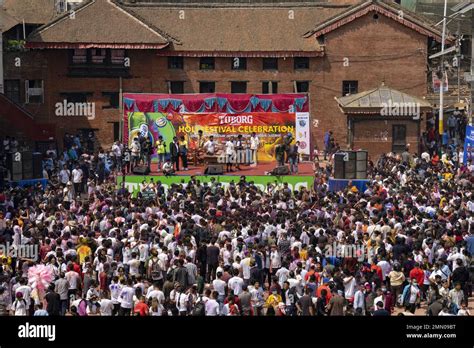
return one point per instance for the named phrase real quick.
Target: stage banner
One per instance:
(303, 132)
(269, 128)
(294, 182)
(469, 145)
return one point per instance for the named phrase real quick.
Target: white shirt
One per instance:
(254, 142)
(126, 297)
(77, 176)
(219, 286)
(106, 307)
(64, 176)
(235, 284)
(115, 290)
(245, 265)
(210, 146)
(212, 308)
(229, 148)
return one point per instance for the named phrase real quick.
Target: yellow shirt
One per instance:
(83, 251)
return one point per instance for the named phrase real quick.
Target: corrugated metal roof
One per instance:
(378, 98)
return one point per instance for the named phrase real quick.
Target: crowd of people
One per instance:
(201, 248)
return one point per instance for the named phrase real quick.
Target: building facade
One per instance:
(102, 47)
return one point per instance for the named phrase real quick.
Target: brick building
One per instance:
(103, 46)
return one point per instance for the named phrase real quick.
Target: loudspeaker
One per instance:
(37, 165)
(361, 164)
(27, 162)
(141, 170)
(14, 166)
(214, 169)
(281, 170)
(339, 166)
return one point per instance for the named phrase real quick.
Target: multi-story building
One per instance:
(98, 48)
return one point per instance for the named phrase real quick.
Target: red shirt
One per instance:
(141, 308)
(418, 274)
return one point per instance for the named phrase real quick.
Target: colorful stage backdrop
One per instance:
(220, 115)
(294, 182)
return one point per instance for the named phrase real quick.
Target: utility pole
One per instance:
(472, 68)
(2, 90)
(441, 85)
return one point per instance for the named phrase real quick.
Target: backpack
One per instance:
(199, 308)
(156, 273)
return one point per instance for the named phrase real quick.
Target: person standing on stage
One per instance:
(293, 157)
(239, 148)
(126, 160)
(254, 143)
(174, 152)
(136, 149)
(229, 151)
(183, 151)
(160, 151)
(210, 146)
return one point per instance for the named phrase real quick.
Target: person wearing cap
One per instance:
(19, 307)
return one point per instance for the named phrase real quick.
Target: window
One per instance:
(175, 62)
(321, 39)
(12, 90)
(98, 55)
(176, 87)
(349, 87)
(79, 56)
(206, 63)
(301, 86)
(399, 137)
(34, 91)
(66, 5)
(207, 87)
(269, 87)
(301, 63)
(116, 130)
(270, 63)
(114, 100)
(76, 97)
(117, 57)
(239, 63)
(238, 87)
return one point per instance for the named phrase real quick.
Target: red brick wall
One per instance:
(377, 50)
(376, 135)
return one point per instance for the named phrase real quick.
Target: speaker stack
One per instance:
(350, 165)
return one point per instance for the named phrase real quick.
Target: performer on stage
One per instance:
(174, 152)
(230, 153)
(239, 148)
(160, 151)
(199, 149)
(209, 146)
(254, 143)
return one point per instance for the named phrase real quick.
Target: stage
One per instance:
(304, 178)
(305, 168)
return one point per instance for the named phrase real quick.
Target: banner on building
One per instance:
(222, 115)
(269, 128)
(469, 145)
(437, 83)
(132, 183)
(303, 134)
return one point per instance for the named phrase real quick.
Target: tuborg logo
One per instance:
(234, 120)
(37, 331)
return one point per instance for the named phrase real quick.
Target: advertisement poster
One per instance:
(469, 145)
(269, 127)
